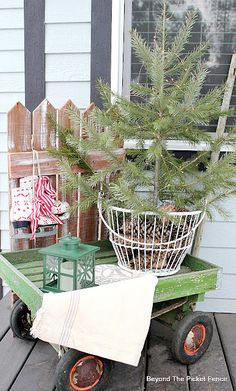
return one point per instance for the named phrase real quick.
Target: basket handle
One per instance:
(99, 206)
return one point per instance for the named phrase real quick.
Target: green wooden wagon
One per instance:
(173, 304)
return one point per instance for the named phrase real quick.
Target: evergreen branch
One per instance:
(142, 50)
(181, 38)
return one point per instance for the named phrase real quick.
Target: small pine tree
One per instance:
(169, 107)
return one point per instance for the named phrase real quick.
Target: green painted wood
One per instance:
(195, 277)
(32, 271)
(105, 254)
(36, 278)
(23, 256)
(182, 285)
(198, 264)
(21, 285)
(109, 260)
(29, 264)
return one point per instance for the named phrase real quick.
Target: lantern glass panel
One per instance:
(52, 270)
(85, 271)
(52, 263)
(67, 275)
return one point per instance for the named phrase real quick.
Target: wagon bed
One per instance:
(23, 272)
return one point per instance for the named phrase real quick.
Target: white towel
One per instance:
(111, 320)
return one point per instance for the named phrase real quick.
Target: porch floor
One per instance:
(30, 365)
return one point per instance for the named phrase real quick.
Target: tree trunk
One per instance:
(156, 182)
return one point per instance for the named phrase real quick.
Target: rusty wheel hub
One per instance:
(195, 339)
(86, 373)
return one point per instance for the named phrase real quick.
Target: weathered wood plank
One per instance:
(226, 324)
(65, 121)
(211, 365)
(128, 378)
(38, 371)
(15, 352)
(88, 221)
(160, 364)
(185, 284)
(5, 307)
(21, 285)
(99, 161)
(19, 129)
(29, 265)
(19, 139)
(44, 138)
(21, 164)
(1, 289)
(44, 132)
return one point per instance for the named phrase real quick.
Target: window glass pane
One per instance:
(215, 24)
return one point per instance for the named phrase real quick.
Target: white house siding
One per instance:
(11, 91)
(67, 51)
(219, 246)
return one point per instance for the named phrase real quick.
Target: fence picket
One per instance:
(28, 131)
(19, 140)
(65, 121)
(44, 137)
(88, 221)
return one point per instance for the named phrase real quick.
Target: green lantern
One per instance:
(68, 265)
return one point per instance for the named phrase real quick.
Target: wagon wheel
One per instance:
(20, 320)
(192, 337)
(77, 371)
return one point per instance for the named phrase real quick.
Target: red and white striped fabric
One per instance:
(43, 202)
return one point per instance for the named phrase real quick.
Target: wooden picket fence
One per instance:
(28, 131)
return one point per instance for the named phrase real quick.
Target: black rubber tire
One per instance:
(67, 362)
(20, 321)
(181, 332)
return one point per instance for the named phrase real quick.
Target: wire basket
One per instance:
(149, 243)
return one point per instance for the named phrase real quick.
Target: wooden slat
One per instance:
(29, 265)
(5, 307)
(211, 364)
(1, 289)
(19, 129)
(19, 139)
(160, 363)
(44, 137)
(21, 285)
(88, 224)
(99, 161)
(15, 352)
(21, 164)
(65, 121)
(44, 132)
(226, 324)
(88, 221)
(38, 371)
(128, 378)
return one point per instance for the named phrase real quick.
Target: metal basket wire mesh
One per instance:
(148, 243)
